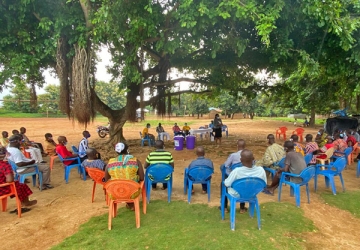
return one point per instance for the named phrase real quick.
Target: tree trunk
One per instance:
(312, 117)
(232, 116)
(198, 115)
(252, 114)
(357, 103)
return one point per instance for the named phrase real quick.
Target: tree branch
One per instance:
(153, 99)
(152, 53)
(86, 7)
(37, 16)
(172, 82)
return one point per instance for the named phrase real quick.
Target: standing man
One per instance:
(160, 130)
(84, 145)
(247, 170)
(201, 161)
(273, 154)
(294, 163)
(21, 161)
(217, 129)
(159, 156)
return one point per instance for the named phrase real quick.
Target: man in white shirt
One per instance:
(160, 130)
(247, 170)
(84, 145)
(21, 161)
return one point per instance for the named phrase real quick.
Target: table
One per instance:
(200, 131)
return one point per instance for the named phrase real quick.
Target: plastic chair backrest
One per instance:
(281, 163)
(283, 129)
(308, 157)
(236, 165)
(60, 157)
(96, 174)
(224, 127)
(121, 189)
(348, 151)
(74, 149)
(330, 152)
(307, 174)
(159, 171)
(249, 187)
(201, 173)
(13, 165)
(339, 164)
(299, 131)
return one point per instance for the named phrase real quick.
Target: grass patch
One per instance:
(10, 114)
(178, 225)
(346, 201)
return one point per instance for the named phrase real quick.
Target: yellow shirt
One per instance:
(145, 132)
(186, 128)
(4, 142)
(49, 148)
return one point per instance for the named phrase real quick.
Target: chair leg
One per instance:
(169, 189)
(110, 214)
(332, 184)
(34, 180)
(185, 181)
(251, 209)
(297, 195)
(258, 213)
(342, 182)
(327, 181)
(190, 190)
(208, 189)
(358, 170)
(143, 191)
(315, 180)
(279, 190)
(307, 192)
(137, 212)
(232, 213)
(4, 204)
(222, 202)
(148, 189)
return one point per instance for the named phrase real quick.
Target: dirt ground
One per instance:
(60, 211)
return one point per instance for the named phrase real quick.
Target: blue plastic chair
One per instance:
(306, 175)
(247, 188)
(358, 170)
(232, 167)
(333, 169)
(345, 154)
(272, 171)
(145, 139)
(159, 173)
(308, 158)
(197, 175)
(21, 177)
(67, 168)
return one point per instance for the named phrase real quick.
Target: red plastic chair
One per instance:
(299, 132)
(52, 159)
(120, 191)
(97, 175)
(281, 131)
(4, 197)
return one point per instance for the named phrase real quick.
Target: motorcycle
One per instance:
(102, 131)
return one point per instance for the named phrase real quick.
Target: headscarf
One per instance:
(119, 147)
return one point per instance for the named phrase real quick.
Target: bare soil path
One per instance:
(61, 211)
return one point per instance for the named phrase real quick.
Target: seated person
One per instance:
(4, 141)
(160, 130)
(159, 156)
(247, 170)
(7, 176)
(320, 138)
(339, 145)
(201, 161)
(273, 153)
(355, 134)
(15, 155)
(146, 134)
(177, 131)
(84, 145)
(64, 152)
(351, 140)
(306, 123)
(298, 146)
(124, 166)
(50, 145)
(186, 129)
(31, 143)
(34, 152)
(294, 163)
(211, 125)
(311, 147)
(92, 161)
(329, 144)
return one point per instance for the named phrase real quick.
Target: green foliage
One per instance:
(177, 225)
(111, 94)
(50, 100)
(19, 100)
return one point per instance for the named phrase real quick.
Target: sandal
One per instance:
(266, 191)
(23, 210)
(243, 210)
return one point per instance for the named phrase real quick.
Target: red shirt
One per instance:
(62, 150)
(351, 139)
(5, 169)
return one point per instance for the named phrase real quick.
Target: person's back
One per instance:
(273, 153)
(121, 168)
(296, 164)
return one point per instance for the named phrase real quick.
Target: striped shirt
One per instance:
(159, 156)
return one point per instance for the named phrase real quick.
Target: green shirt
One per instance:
(159, 156)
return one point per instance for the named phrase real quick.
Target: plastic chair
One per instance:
(21, 177)
(120, 191)
(247, 188)
(346, 154)
(52, 159)
(299, 132)
(159, 173)
(281, 131)
(306, 175)
(197, 175)
(358, 170)
(329, 153)
(333, 169)
(225, 129)
(232, 167)
(4, 197)
(272, 171)
(75, 164)
(97, 175)
(145, 139)
(308, 157)
(353, 154)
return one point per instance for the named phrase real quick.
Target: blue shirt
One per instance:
(201, 161)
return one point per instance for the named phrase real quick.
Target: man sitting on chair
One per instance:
(160, 130)
(273, 154)
(177, 131)
(247, 170)
(159, 156)
(4, 141)
(186, 129)
(50, 145)
(64, 152)
(147, 135)
(201, 161)
(294, 163)
(7, 176)
(92, 160)
(234, 157)
(297, 145)
(84, 145)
